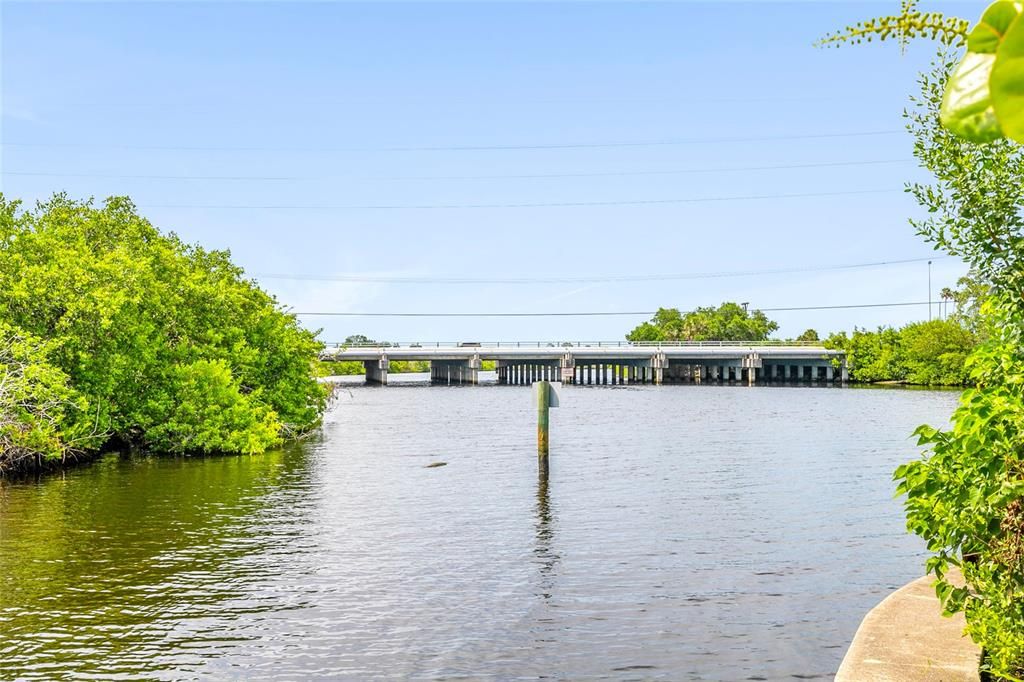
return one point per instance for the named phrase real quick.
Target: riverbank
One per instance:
(906, 639)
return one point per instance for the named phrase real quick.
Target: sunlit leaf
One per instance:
(1007, 82)
(986, 36)
(967, 108)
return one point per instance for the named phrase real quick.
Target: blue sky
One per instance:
(331, 140)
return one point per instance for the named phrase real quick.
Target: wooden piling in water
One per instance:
(543, 405)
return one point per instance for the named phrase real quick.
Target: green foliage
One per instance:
(728, 322)
(647, 332)
(871, 355)
(924, 353)
(211, 413)
(809, 336)
(967, 104)
(141, 323)
(974, 204)
(41, 416)
(908, 24)
(353, 368)
(340, 369)
(967, 298)
(934, 353)
(982, 97)
(1007, 79)
(984, 94)
(965, 500)
(359, 340)
(965, 497)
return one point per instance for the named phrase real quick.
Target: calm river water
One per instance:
(686, 532)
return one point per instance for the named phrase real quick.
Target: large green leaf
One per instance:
(1006, 83)
(984, 98)
(986, 36)
(967, 108)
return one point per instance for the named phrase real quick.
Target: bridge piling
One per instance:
(377, 371)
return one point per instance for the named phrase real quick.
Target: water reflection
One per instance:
(547, 558)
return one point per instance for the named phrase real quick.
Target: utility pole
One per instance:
(745, 304)
(929, 291)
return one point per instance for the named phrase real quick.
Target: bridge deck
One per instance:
(590, 351)
(605, 363)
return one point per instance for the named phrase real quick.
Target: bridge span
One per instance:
(522, 363)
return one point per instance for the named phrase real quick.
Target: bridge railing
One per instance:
(569, 344)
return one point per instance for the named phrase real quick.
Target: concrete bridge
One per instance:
(522, 363)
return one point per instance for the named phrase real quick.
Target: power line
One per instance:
(602, 313)
(124, 176)
(685, 171)
(585, 279)
(463, 148)
(553, 204)
(521, 176)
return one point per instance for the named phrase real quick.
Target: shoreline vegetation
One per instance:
(114, 336)
(965, 494)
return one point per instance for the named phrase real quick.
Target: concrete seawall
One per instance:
(906, 639)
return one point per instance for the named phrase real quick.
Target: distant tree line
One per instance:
(728, 322)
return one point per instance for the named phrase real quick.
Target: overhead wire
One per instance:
(602, 313)
(587, 279)
(547, 204)
(516, 176)
(463, 148)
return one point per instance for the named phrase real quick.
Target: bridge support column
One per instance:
(751, 363)
(658, 364)
(568, 369)
(377, 371)
(455, 371)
